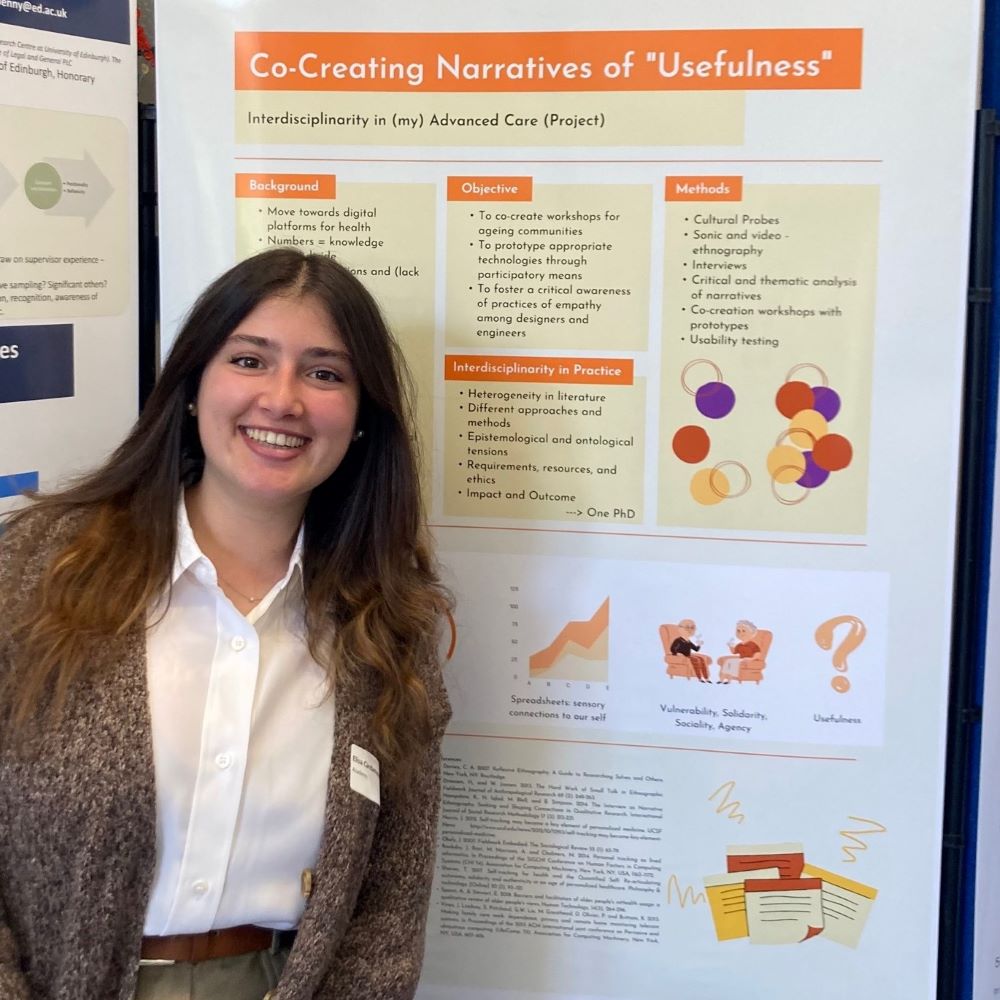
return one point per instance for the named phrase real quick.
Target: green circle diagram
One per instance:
(43, 185)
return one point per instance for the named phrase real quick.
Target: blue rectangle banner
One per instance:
(107, 20)
(36, 362)
(15, 485)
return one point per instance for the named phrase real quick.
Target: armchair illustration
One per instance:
(677, 665)
(752, 668)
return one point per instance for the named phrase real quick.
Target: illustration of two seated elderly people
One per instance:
(744, 662)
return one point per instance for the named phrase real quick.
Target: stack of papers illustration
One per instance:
(771, 895)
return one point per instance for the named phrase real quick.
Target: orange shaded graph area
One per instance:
(585, 639)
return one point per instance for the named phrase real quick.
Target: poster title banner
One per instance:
(729, 59)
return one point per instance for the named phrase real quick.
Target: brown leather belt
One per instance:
(223, 943)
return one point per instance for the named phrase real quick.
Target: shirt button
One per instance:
(223, 760)
(200, 887)
(238, 643)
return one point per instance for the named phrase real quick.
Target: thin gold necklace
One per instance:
(246, 597)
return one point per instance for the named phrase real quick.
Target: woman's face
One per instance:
(743, 631)
(277, 405)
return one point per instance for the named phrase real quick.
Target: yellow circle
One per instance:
(709, 486)
(806, 428)
(785, 463)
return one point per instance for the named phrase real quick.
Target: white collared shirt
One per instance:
(242, 739)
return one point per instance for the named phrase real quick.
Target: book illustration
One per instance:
(783, 910)
(771, 895)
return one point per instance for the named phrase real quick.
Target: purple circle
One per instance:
(813, 476)
(715, 400)
(826, 401)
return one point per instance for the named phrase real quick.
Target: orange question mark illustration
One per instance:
(856, 633)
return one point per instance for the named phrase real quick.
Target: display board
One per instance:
(68, 337)
(986, 961)
(683, 295)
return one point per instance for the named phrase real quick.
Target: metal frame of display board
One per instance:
(973, 546)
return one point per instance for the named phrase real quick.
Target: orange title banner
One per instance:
(712, 187)
(489, 188)
(545, 61)
(286, 186)
(575, 371)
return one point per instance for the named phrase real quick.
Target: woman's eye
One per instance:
(245, 361)
(326, 375)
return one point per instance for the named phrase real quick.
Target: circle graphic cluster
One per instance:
(806, 451)
(713, 399)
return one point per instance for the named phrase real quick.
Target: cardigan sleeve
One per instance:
(383, 948)
(13, 985)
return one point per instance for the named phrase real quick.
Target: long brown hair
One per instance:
(373, 600)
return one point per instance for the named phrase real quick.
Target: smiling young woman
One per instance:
(220, 699)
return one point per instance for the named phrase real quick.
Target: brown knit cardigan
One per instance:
(78, 821)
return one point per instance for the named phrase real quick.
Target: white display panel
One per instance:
(684, 296)
(68, 245)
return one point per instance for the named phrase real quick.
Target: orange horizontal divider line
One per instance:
(704, 188)
(537, 159)
(286, 186)
(734, 59)
(654, 746)
(648, 534)
(576, 371)
(490, 188)
(583, 633)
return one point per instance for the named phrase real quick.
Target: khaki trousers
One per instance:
(244, 977)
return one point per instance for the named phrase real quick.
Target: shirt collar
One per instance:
(187, 552)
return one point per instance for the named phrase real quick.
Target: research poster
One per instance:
(68, 333)
(683, 294)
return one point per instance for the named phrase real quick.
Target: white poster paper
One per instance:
(683, 294)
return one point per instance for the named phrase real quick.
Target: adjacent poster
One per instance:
(683, 293)
(68, 334)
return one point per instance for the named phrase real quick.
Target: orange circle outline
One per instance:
(778, 441)
(690, 365)
(785, 500)
(808, 364)
(808, 433)
(799, 473)
(718, 468)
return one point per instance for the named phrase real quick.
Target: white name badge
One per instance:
(364, 773)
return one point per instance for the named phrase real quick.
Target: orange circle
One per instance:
(709, 487)
(833, 452)
(691, 443)
(840, 684)
(806, 428)
(793, 397)
(785, 463)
